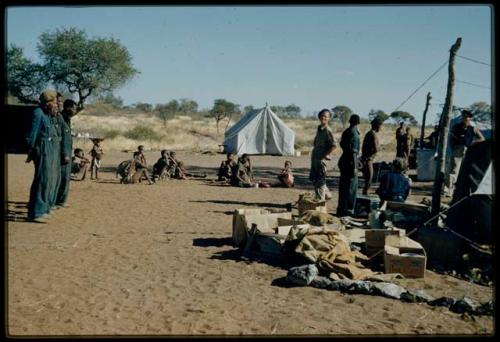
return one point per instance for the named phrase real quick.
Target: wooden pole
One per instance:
(443, 130)
(429, 97)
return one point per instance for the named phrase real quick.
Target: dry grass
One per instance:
(193, 134)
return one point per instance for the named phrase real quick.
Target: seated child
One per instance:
(79, 165)
(286, 176)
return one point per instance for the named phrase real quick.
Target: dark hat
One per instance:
(467, 113)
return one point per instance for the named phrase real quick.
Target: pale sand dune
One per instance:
(157, 260)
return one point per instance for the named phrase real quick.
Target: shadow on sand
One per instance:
(255, 204)
(17, 211)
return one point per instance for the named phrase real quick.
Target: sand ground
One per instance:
(158, 260)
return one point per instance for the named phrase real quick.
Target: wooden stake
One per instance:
(443, 130)
(423, 120)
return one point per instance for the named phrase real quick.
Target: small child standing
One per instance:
(286, 176)
(96, 153)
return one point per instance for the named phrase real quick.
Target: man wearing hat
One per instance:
(348, 165)
(462, 135)
(368, 152)
(41, 141)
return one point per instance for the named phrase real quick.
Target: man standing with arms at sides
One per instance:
(324, 144)
(368, 152)
(348, 165)
(40, 150)
(64, 120)
(407, 143)
(400, 134)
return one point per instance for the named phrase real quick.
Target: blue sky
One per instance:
(313, 56)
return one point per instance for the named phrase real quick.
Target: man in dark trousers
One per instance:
(64, 120)
(368, 152)
(348, 183)
(400, 140)
(40, 140)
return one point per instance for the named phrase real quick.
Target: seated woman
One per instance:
(160, 168)
(286, 176)
(79, 165)
(394, 186)
(226, 168)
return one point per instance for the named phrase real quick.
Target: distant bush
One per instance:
(141, 133)
(303, 143)
(110, 133)
(99, 109)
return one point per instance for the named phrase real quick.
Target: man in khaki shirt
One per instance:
(324, 144)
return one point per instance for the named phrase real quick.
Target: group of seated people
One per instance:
(136, 170)
(239, 173)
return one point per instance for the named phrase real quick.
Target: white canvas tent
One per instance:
(260, 131)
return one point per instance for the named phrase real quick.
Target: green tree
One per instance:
(111, 99)
(481, 111)
(187, 106)
(248, 108)
(380, 114)
(278, 110)
(145, 107)
(223, 109)
(167, 111)
(25, 79)
(292, 110)
(342, 113)
(84, 65)
(400, 115)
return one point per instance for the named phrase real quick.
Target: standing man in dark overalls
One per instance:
(64, 120)
(40, 141)
(348, 165)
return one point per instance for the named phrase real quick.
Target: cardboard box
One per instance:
(265, 221)
(375, 238)
(405, 256)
